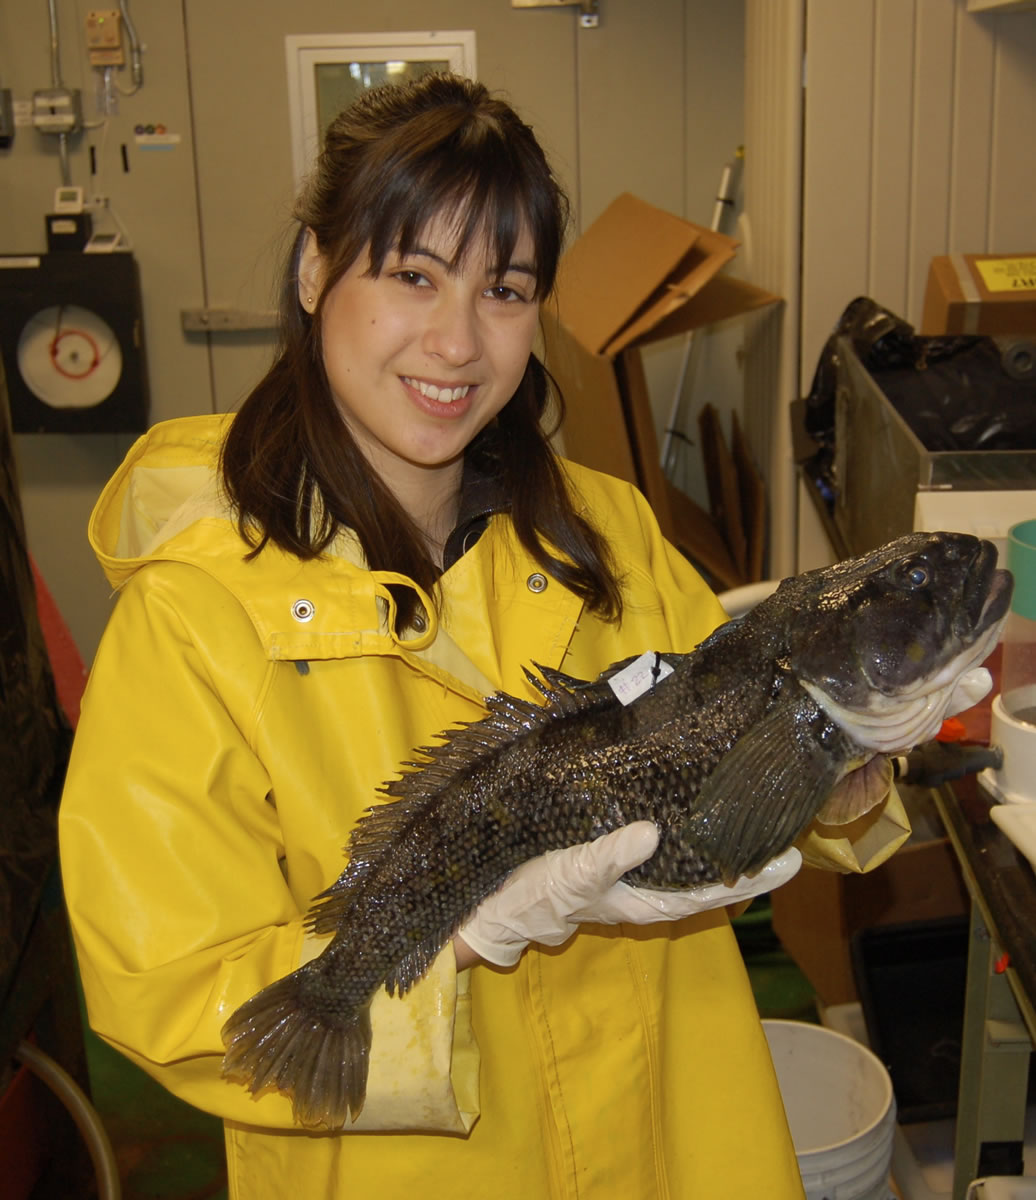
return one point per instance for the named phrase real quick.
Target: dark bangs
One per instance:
(470, 158)
(488, 197)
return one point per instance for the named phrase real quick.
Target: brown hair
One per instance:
(391, 162)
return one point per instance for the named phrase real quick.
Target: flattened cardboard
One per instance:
(617, 269)
(640, 423)
(724, 297)
(636, 276)
(594, 428)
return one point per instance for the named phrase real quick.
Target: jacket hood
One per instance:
(165, 504)
(167, 481)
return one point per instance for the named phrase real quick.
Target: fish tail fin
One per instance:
(320, 1061)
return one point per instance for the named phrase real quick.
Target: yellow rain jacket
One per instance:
(238, 720)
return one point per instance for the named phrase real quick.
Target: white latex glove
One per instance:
(547, 898)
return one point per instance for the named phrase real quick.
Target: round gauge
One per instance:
(69, 357)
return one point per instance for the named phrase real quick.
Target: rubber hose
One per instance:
(83, 1113)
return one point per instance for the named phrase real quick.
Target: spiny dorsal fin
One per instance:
(463, 748)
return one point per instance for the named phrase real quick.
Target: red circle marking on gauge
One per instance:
(77, 359)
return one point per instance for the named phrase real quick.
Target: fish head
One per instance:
(890, 643)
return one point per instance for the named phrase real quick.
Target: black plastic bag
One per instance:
(952, 391)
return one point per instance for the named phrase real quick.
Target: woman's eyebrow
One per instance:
(424, 252)
(522, 268)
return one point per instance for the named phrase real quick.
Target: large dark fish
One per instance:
(778, 717)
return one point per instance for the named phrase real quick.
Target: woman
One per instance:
(378, 540)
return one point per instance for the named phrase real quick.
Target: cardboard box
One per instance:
(816, 914)
(980, 293)
(639, 275)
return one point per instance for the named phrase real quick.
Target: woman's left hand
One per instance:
(546, 899)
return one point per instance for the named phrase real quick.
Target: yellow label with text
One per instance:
(1007, 274)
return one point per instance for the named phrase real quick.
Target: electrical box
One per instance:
(68, 199)
(68, 231)
(104, 38)
(57, 110)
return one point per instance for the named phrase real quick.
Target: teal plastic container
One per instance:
(1021, 562)
(1018, 672)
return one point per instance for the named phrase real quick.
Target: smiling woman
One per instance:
(378, 547)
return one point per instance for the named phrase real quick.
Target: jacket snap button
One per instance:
(303, 610)
(536, 582)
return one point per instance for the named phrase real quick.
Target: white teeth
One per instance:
(443, 395)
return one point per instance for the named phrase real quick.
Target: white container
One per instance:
(840, 1107)
(1002, 1187)
(1015, 781)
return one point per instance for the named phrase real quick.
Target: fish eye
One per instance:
(913, 574)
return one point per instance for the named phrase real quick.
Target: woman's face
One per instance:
(422, 356)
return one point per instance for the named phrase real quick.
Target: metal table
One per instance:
(999, 1018)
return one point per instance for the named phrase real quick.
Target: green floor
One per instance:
(165, 1149)
(169, 1151)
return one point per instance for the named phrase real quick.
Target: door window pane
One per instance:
(328, 71)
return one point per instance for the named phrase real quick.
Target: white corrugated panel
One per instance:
(914, 138)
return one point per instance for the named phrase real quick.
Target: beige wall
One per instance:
(650, 102)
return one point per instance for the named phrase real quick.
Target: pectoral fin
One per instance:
(767, 789)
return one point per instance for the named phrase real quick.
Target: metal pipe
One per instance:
(55, 53)
(724, 198)
(136, 70)
(66, 166)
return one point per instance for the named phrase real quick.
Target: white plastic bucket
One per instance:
(840, 1107)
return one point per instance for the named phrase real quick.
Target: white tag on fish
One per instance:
(640, 676)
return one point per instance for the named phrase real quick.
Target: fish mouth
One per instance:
(985, 592)
(895, 721)
(993, 606)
